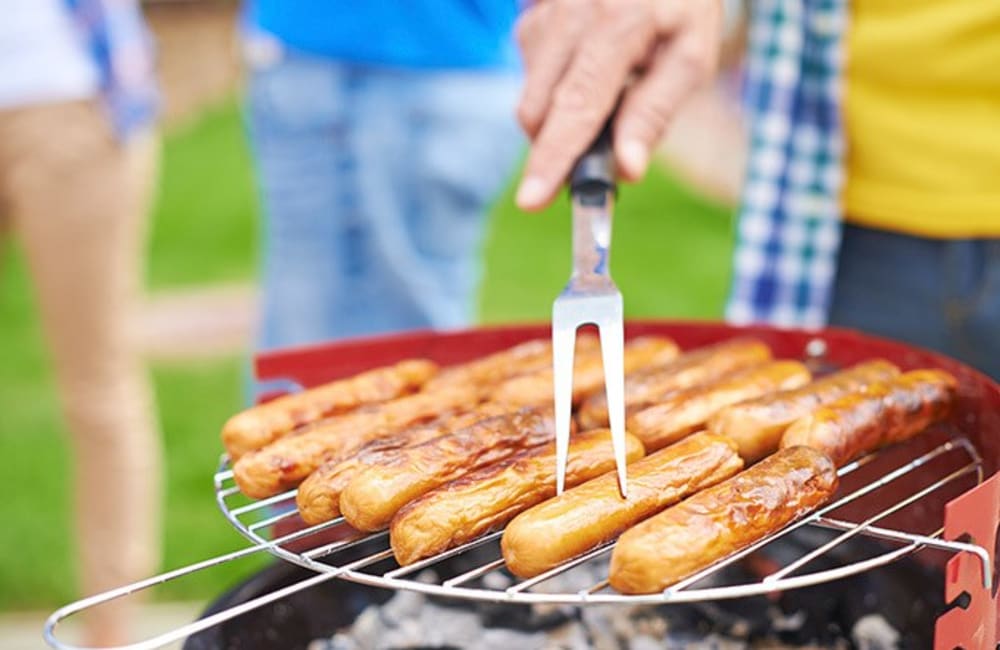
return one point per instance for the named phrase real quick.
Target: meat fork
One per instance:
(590, 297)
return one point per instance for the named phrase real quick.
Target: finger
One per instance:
(583, 100)
(547, 35)
(678, 68)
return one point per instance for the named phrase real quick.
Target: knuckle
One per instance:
(576, 16)
(567, 8)
(649, 120)
(694, 59)
(573, 97)
(575, 20)
(626, 10)
(630, 24)
(582, 89)
(612, 7)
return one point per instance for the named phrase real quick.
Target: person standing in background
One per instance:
(77, 165)
(872, 198)
(381, 132)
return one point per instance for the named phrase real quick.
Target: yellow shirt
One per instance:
(922, 115)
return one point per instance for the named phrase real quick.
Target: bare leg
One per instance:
(78, 201)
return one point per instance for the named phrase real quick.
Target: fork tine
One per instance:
(563, 347)
(613, 353)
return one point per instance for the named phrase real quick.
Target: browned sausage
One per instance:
(721, 520)
(535, 388)
(886, 413)
(690, 369)
(318, 497)
(486, 499)
(588, 374)
(287, 461)
(259, 425)
(590, 514)
(686, 411)
(757, 425)
(372, 498)
(489, 371)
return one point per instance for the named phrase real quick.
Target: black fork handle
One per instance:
(594, 172)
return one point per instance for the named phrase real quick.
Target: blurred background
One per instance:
(672, 248)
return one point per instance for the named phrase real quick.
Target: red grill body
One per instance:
(973, 515)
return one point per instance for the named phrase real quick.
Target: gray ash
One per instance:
(884, 610)
(853, 613)
(891, 608)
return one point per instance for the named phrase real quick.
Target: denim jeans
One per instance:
(939, 294)
(375, 186)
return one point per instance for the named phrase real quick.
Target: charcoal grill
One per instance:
(939, 491)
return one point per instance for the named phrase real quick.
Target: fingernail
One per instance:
(531, 193)
(635, 156)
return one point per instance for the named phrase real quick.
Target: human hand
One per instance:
(581, 56)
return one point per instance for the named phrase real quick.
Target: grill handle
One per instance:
(187, 630)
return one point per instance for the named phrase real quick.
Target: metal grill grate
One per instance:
(333, 559)
(255, 519)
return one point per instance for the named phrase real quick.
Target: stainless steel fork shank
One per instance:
(592, 210)
(591, 282)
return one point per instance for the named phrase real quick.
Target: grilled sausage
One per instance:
(888, 412)
(372, 498)
(486, 499)
(318, 497)
(590, 514)
(535, 388)
(757, 425)
(721, 520)
(677, 416)
(259, 425)
(287, 461)
(588, 374)
(690, 369)
(489, 371)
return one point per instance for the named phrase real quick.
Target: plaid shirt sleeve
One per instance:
(122, 48)
(788, 232)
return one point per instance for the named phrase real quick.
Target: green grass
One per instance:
(671, 252)
(204, 226)
(34, 538)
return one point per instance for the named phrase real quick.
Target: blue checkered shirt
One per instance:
(789, 224)
(122, 48)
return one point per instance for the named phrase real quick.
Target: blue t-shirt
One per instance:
(438, 34)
